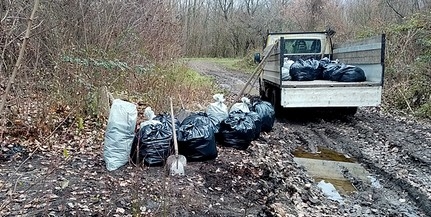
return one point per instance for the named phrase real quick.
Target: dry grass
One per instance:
(77, 47)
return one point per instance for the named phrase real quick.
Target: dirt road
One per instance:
(395, 151)
(379, 164)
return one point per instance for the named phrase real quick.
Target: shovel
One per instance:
(176, 162)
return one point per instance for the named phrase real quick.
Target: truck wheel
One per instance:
(345, 111)
(350, 111)
(262, 92)
(275, 100)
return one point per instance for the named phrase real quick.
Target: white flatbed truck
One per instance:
(368, 54)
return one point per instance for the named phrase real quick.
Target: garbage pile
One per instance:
(325, 69)
(198, 134)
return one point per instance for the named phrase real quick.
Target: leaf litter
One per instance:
(66, 173)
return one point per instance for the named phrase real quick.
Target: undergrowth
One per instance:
(73, 87)
(408, 74)
(247, 62)
(148, 85)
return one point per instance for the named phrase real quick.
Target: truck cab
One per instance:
(303, 45)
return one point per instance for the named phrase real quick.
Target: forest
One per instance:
(136, 41)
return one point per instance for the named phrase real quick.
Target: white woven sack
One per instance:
(119, 134)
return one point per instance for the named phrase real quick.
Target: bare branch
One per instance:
(21, 55)
(392, 7)
(5, 16)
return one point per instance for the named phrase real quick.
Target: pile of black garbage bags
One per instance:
(199, 133)
(325, 69)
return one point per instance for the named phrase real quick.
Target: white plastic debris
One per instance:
(241, 106)
(218, 109)
(285, 70)
(150, 115)
(374, 182)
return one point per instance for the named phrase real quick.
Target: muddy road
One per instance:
(389, 161)
(372, 164)
(230, 81)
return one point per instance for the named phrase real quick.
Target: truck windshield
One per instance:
(296, 46)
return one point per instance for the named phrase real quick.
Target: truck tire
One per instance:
(274, 97)
(344, 111)
(262, 91)
(350, 111)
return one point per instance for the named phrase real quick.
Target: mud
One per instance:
(230, 81)
(263, 180)
(394, 149)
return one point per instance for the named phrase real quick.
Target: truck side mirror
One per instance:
(257, 58)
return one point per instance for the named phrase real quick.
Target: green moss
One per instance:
(424, 110)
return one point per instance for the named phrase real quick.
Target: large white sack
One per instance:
(119, 134)
(285, 70)
(218, 109)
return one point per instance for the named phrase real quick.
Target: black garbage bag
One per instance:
(203, 118)
(14, 152)
(315, 65)
(351, 74)
(237, 130)
(155, 145)
(196, 139)
(266, 112)
(166, 120)
(343, 73)
(305, 70)
(323, 62)
(329, 70)
(257, 122)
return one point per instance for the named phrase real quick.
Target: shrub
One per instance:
(408, 77)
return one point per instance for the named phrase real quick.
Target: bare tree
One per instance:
(20, 56)
(225, 7)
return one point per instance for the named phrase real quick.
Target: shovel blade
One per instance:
(177, 168)
(172, 160)
(176, 164)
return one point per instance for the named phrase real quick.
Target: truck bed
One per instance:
(327, 83)
(367, 54)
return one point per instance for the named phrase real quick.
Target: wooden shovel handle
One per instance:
(173, 129)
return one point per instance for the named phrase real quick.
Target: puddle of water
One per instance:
(322, 154)
(375, 182)
(343, 186)
(329, 191)
(328, 165)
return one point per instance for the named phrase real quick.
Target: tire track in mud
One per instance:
(287, 186)
(399, 141)
(359, 137)
(231, 81)
(393, 149)
(386, 151)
